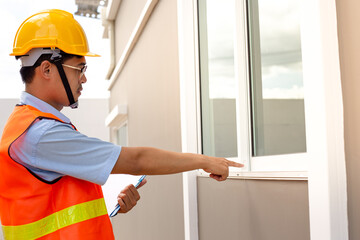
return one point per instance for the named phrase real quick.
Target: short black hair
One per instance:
(27, 73)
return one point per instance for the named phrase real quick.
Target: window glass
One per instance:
(276, 82)
(277, 96)
(218, 86)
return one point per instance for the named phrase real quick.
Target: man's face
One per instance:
(76, 78)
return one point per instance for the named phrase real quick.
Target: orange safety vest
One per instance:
(31, 208)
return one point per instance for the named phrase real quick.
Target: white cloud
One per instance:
(279, 25)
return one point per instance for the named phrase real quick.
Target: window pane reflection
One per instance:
(218, 92)
(278, 121)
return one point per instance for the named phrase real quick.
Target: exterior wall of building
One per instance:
(89, 117)
(253, 210)
(6, 106)
(149, 86)
(349, 48)
(126, 19)
(89, 109)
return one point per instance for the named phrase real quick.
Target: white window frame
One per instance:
(325, 157)
(295, 163)
(115, 120)
(115, 132)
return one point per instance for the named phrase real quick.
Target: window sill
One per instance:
(286, 176)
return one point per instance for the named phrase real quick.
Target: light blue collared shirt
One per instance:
(51, 149)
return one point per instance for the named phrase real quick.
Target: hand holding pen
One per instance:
(128, 197)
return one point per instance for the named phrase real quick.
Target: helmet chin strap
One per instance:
(56, 58)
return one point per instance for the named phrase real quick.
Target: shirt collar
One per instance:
(28, 99)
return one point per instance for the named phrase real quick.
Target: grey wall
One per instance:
(149, 85)
(126, 20)
(158, 215)
(253, 210)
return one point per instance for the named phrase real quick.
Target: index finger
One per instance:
(234, 164)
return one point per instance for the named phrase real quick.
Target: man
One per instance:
(50, 173)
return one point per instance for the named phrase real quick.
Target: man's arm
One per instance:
(153, 161)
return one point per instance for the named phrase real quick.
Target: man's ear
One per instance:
(45, 69)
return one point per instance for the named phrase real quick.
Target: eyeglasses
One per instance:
(82, 69)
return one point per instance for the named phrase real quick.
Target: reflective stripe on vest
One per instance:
(66, 217)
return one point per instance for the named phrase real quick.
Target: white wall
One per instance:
(6, 106)
(89, 118)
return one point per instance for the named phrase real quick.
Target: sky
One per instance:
(14, 12)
